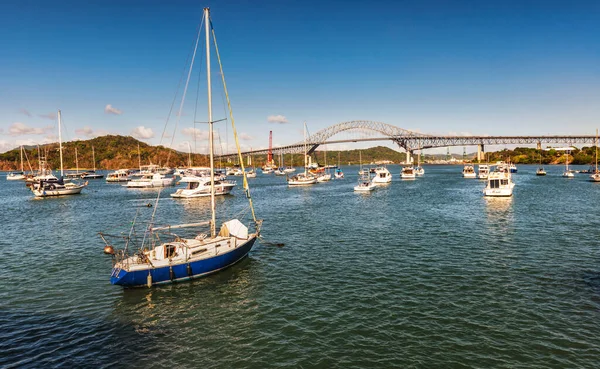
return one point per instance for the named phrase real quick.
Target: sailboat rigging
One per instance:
(186, 258)
(595, 177)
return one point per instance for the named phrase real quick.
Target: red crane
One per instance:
(270, 154)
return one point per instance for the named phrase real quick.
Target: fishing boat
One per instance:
(305, 178)
(484, 171)
(408, 172)
(595, 176)
(469, 172)
(382, 175)
(52, 186)
(499, 184)
(365, 184)
(567, 173)
(160, 261)
(15, 176)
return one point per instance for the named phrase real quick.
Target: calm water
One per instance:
(423, 273)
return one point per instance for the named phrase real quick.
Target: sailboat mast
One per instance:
(139, 158)
(94, 158)
(596, 151)
(210, 126)
(76, 162)
(23, 170)
(305, 148)
(60, 145)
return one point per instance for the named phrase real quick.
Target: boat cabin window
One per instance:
(505, 182)
(495, 183)
(170, 251)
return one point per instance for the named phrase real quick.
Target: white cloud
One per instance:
(25, 112)
(277, 119)
(246, 137)
(198, 134)
(86, 131)
(51, 116)
(109, 109)
(19, 128)
(142, 133)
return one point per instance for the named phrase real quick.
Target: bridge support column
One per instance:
(409, 158)
(539, 145)
(480, 152)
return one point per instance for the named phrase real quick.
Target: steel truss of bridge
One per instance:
(410, 141)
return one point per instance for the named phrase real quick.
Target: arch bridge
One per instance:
(410, 141)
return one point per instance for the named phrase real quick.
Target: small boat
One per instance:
(280, 172)
(119, 175)
(595, 176)
(567, 173)
(419, 170)
(267, 170)
(20, 175)
(365, 184)
(469, 172)
(338, 172)
(382, 176)
(512, 168)
(540, 171)
(251, 173)
(499, 184)
(484, 171)
(408, 172)
(324, 177)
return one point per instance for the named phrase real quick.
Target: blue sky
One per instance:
(440, 67)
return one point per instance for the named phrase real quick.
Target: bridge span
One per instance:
(411, 141)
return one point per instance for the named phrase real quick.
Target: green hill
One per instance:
(112, 152)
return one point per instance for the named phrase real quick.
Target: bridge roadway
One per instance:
(428, 142)
(410, 141)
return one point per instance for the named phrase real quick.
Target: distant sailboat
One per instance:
(568, 173)
(54, 186)
(540, 171)
(306, 178)
(91, 174)
(14, 176)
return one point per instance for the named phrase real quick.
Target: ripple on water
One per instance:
(423, 273)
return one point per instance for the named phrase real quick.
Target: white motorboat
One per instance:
(91, 174)
(382, 176)
(408, 172)
(289, 170)
(365, 184)
(251, 173)
(151, 181)
(469, 172)
(484, 171)
(119, 175)
(200, 187)
(499, 184)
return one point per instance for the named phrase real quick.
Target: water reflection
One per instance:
(499, 214)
